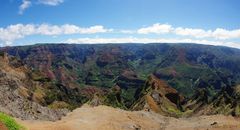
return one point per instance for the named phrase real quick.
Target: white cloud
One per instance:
(218, 33)
(51, 2)
(149, 40)
(127, 31)
(218, 36)
(156, 28)
(25, 4)
(14, 32)
(46, 29)
(17, 31)
(107, 40)
(197, 33)
(70, 29)
(94, 29)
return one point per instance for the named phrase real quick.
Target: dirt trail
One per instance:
(107, 118)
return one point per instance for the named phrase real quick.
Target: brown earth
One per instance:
(2, 126)
(107, 118)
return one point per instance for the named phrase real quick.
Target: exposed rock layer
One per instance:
(16, 95)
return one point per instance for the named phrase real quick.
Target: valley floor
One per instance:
(107, 118)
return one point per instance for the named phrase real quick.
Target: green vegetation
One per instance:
(174, 112)
(237, 111)
(10, 123)
(1, 53)
(112, 100)
(68, 68)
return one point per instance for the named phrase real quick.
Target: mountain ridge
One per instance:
(116, 74)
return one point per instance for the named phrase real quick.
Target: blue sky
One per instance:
(215, 22)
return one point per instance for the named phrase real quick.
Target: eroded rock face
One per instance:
(159, 97)
(129, 79)
(225, 102)
(16, 97)
(73, 68)
(130, 84)
(185, 67)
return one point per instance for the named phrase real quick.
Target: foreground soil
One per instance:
(107, 118)
(2, 126)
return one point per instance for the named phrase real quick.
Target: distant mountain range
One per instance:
(170, 79)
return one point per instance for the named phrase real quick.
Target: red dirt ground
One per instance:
(2, 126)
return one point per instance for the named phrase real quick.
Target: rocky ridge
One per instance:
(17, 97)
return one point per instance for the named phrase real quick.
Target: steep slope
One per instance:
(184, 66)
(20, 96)
(199, 101)
(159, 97)
(130, 84)
(225, 102)
(76, 74)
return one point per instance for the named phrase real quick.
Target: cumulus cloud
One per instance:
(226, 34)
(25, 4)
(218, 36)
(218, 33)
(51, 2)
(149, 40)
(46, 29)
(156, 28)
(14, 32)
(198, 33)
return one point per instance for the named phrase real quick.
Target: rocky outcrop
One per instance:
(130, 85)
(129, 79)
(159, 97)
(17, 95)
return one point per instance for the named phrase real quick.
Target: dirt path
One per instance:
(107, 118)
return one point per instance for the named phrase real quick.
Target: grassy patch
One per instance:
(175, 112)
(10, 123)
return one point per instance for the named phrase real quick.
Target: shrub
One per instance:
(10, 123)
(1, 53)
